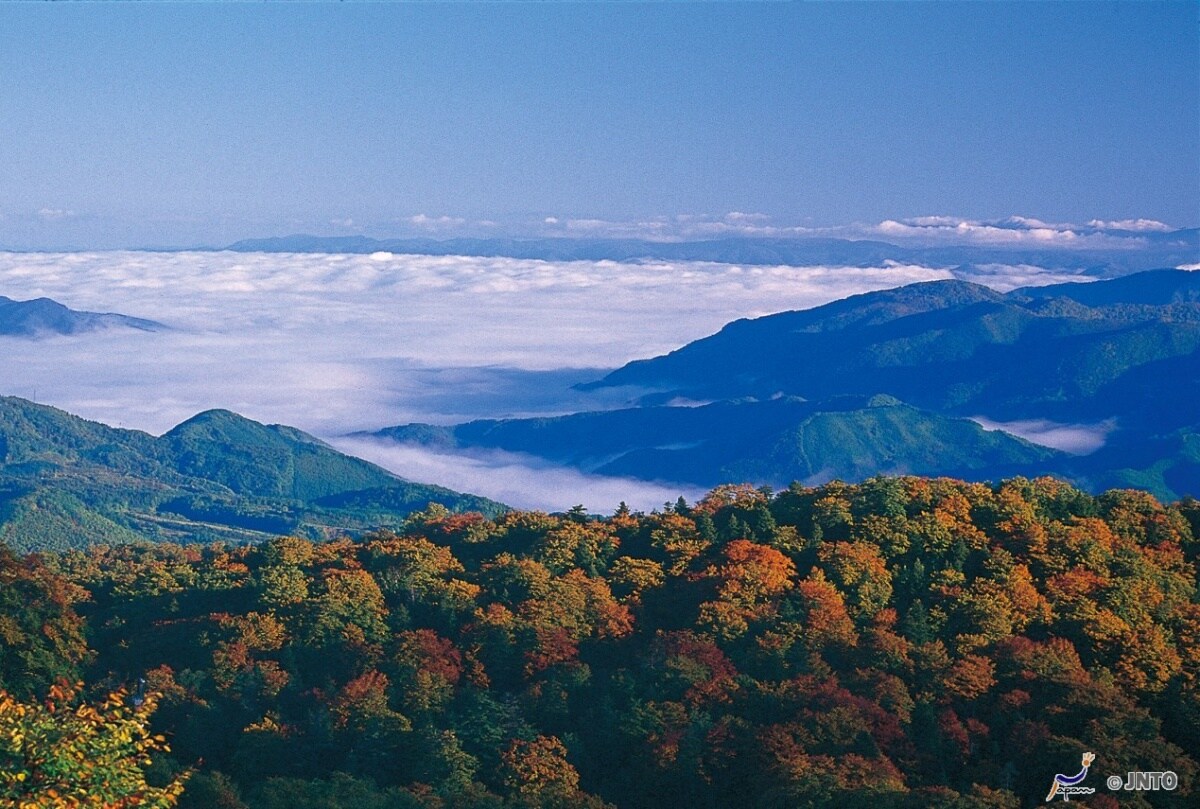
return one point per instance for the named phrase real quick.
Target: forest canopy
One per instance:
(903, 642)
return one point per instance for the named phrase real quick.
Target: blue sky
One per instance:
(138, 124)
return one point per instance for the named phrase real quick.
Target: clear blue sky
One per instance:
(181, 123)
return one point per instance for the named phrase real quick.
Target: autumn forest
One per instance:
(903, 642)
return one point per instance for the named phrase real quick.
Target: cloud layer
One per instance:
(519, 480)
(1019, 231)
(53, 227)
(1075, 439)
(1012, 231)
(336, 343)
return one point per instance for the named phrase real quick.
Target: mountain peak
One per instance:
(66, 481)
(41, 316)
(215, 422)
(948, 345)
(216, 415)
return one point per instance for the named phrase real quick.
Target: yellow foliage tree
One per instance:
(64, 753)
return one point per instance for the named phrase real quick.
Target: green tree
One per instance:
(41, 637)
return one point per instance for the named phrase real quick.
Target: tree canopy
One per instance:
(904, 642)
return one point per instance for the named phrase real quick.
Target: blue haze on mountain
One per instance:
(42, 316)
(891, 381)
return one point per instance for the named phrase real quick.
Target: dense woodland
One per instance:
(904, 642)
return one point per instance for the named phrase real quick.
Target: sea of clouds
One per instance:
(338, 343)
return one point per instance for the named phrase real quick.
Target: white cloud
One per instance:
(1076, 439)
(679, 227)
(335, 343)
(1007, 277)
(1131, 224)
(652, 229)
(326, 342)
(519, 480)
(436, 222)
(55, 214)
(934, 230)
(927, 221)
(1014, 231)
(1029, 222)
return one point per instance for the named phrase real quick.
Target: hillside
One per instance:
(789, 395)
(906, 643)
(68, 482)
(775, 441)
(42, 316)
(946, 345)
(1155, 288)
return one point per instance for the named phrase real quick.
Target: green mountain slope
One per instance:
(890, 439)
(948, 346)
(790, 392)
(266, 461)
(1125, 351)
(1165, 463)
(774, 442)
(68, 482)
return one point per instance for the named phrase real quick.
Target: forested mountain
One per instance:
(884, 382)
(1154, 288)
(65, 481)
(778, 441)
(43, 316)
(947, 345)
(905, 643)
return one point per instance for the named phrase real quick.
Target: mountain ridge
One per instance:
(974, 345)
(40, 316)
(763, 441)
(790, 387)
(1169, 249)
(66, 481)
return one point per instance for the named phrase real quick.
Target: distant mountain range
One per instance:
(887, 382)
(66, 482)
(1169, 249)
(776, 440)
(1059, 352)
(43, 316)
